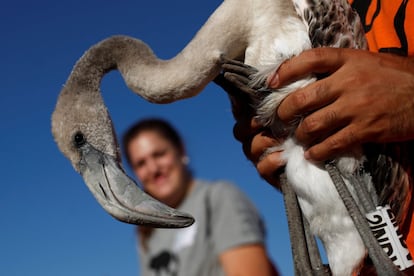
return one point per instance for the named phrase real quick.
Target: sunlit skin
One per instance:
(367, 97)
(159, 167)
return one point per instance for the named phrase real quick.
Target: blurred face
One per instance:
(159, 166)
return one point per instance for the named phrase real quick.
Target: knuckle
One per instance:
(286, 65)
(270, 168)
(331, 117)
(354, 80)
(320, 89)
(308, 126)
(299, 99)
(259, 145)
(341, 143)
(314, 54)
(350, 137)
(334, 143)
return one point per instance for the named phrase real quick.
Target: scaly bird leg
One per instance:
(236, 81)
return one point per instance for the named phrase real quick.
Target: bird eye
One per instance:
(79, 139)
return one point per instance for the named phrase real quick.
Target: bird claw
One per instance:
(238, 67)
(237, 77)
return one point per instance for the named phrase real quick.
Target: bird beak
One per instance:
(119, 195)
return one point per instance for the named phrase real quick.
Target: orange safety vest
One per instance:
(389, 28)
(388, 24)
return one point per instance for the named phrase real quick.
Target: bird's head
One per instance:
(83, 131)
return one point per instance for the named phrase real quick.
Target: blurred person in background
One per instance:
(228, 236)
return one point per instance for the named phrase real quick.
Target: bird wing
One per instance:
(331, 23)
(390, 166)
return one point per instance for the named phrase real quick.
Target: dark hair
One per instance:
(162, 127)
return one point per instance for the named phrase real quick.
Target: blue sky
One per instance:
(50, 223)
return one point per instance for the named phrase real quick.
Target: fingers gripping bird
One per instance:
(383, 171)
(261, 33)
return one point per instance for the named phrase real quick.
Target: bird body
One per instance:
(333, 24)
(262, 33)
(318, 198)
(81, 124)
(322, 206)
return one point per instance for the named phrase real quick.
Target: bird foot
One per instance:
(237, 77)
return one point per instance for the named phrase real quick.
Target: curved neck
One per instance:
(162, 81)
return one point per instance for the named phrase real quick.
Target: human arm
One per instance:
(247, 260)
(237, 233)
(255, 140)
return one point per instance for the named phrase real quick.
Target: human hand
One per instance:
(366, 97)
(256, 140)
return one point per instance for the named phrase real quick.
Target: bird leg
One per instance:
(236, 81)
(306, 257)
(378, 256)
(238, 76)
